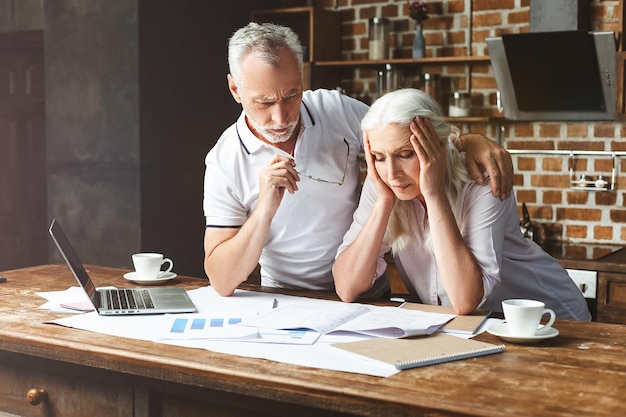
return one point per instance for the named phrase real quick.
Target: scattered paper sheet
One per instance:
(229, 326)
(464, 324)
(72, 300)
(321, 318)
(390, 322)
(58, 301)
(207, 326)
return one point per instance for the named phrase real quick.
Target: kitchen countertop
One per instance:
(588, 256)
(613, 261)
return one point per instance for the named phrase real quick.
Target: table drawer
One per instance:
(71, 390)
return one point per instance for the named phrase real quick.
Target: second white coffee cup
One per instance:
(148, 265)
(523, 317)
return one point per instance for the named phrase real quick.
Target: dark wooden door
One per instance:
(23, 216)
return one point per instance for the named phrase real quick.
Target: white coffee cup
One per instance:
(148, 265)
(523, 317)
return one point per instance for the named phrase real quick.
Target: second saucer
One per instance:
(502, 332)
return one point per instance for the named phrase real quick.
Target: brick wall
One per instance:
(542, 181)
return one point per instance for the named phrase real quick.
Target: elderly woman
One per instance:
(453, 242)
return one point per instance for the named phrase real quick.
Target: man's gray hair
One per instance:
(265, 40)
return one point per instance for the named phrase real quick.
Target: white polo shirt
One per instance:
(309, 225)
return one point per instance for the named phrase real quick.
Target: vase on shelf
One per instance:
(419, 43)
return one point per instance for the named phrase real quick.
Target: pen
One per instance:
(275, 304)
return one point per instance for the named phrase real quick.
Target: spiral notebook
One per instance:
(420, 351)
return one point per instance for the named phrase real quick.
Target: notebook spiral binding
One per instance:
(449, 357)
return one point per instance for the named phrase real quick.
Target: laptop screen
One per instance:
(72, 259)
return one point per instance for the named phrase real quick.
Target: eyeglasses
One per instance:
(345, 168)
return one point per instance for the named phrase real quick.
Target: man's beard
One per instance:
(272, 137)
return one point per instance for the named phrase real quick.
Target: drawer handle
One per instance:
(36, 396)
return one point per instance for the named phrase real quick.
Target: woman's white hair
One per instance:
(265, 40)
(400, 107)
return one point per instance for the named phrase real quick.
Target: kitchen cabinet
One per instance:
(319, 33)
(612, 297)
(610, 303)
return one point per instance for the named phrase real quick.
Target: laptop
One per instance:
(123, 301)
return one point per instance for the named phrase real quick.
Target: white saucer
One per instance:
(160, 279)
(502, 332)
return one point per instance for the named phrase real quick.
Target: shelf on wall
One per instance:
(475, 119)
(449, 60)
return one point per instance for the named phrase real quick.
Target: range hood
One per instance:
(559, 75)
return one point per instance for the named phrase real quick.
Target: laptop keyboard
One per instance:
(128, 299)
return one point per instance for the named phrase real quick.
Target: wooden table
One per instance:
(581, 372)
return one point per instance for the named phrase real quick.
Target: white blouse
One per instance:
(512, 266)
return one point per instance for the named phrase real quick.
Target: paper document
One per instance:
(465, 324)
(72, 300)
(205, 326)
(390, 322)
(228, 326)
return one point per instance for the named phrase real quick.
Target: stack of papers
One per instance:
(288, 329)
